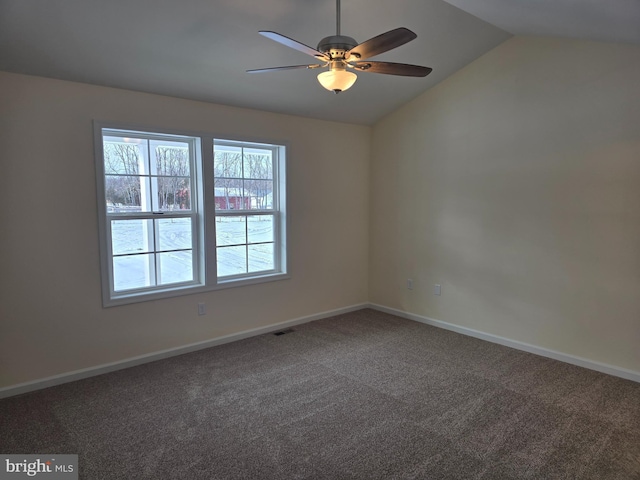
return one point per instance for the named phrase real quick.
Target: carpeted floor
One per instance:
(364, 395)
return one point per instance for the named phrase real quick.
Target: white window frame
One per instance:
(203, 211)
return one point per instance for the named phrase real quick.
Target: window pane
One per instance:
(232, 260)
(174, 234)
(125, 156)
(174, 193)
(127, 194)
(131, 236)
(227, 162)
(260, 228)
(229, 195)
(258, 164)
(261, 257)
(231, 231)
(133, 271)
(170, 158)
(260, 193)
(175, 267)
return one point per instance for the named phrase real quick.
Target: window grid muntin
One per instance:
(150, 167)
(273, 179)
(155, 254)
(245, 214)
(273, 211)
(156, 251)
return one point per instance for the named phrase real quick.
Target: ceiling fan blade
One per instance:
(382, 43)
(290, 67)
(403, 69)
(291, 43)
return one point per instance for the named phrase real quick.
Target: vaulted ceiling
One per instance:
(200, 49)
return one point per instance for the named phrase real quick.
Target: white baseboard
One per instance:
(544, 352)
(172, 352)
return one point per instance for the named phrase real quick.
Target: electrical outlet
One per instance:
(201, 309)
(437, 289)
(410, 284)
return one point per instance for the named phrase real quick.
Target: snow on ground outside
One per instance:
(133, 270)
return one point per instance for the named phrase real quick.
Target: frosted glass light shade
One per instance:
(337, 80)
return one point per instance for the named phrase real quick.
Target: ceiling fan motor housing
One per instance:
(336, 45)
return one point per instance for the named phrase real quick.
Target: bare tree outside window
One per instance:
(174, 189)
(258, 174)
(227, 168)
(122, 184)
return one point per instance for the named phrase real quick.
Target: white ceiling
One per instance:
(200, 49)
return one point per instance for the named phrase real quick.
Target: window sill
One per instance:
(127, 299)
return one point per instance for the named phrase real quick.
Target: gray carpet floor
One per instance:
(363, 395)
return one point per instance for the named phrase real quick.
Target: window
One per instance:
(186, 213)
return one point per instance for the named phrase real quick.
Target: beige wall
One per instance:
(515, 184)
(52, 320)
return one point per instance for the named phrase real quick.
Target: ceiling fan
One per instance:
(341, 54)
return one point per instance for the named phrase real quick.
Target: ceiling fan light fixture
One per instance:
(337, 80)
